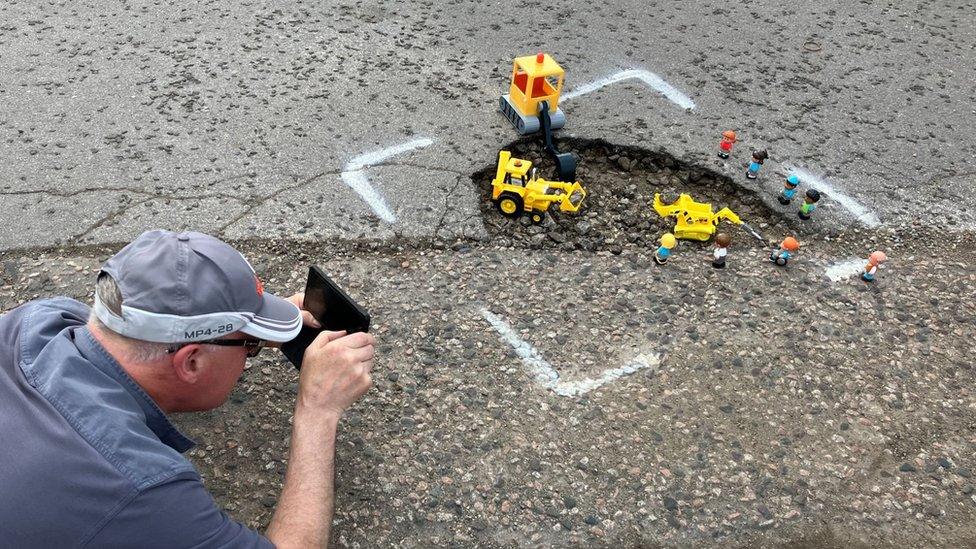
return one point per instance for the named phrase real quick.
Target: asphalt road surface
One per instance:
(546, 385)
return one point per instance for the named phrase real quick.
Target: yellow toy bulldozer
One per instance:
(517, 189)
(696, 221)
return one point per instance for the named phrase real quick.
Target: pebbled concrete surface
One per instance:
(786, 410)
(191, 98)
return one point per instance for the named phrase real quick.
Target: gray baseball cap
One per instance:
(185, 287)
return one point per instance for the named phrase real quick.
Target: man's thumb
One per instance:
(327, 336)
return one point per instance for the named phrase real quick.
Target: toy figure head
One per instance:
(729, 135)
(668, 241)
(813, 196)
(877, 258)
(760, 156)
(722, 240)
(790, 244)
(792, 181)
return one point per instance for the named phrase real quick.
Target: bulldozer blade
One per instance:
(755, 234)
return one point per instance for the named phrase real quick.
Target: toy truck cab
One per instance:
(535, 78)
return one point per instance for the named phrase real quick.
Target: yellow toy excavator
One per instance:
(517, 189)
(696, 221)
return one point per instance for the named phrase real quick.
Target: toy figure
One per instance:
(664, 250)
(722, 242)
(758, 157)
(789, 189)
(787, 249)
(809, 204)
(875, 261)
(725, 146)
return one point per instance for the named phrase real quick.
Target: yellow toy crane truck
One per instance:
(532, 104)
(696, 221)
(537, 81)
(517, 189)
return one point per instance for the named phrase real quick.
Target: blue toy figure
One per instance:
(664, 250)
(789, 189)
(809, 204)
(758, 157)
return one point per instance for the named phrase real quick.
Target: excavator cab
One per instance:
(535, 79)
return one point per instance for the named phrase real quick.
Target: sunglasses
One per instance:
(252, 346)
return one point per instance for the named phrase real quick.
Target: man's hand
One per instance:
(336, 371)
(307, 318)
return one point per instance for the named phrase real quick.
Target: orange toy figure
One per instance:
(725, 146)
(787, 249)
(871, 269)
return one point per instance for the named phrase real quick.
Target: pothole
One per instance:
(618, 211)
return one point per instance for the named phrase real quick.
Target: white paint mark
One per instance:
(547, 376)
(845, 269)
(354, 177)
(646, 77)
(864, 215)
(366, 160)
(542, 371)
(576, 388)
(358, 182)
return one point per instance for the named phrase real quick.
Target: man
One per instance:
(88, 457)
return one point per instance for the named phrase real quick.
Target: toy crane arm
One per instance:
(729, 215)
(726, 213)
(565, 162)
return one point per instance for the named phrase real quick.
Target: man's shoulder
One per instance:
(99, 409)
(35, 323)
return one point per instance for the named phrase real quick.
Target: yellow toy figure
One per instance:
(664, 250)
(871, 269)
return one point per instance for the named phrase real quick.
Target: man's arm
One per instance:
(335, 373)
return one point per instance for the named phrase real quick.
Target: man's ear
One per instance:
(186, 363)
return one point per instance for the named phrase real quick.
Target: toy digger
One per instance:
(532, 105)
(696, 221)
(517, 189)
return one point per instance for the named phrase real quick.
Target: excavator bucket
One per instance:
(573, 200)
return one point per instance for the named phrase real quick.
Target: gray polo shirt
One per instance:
(86, 456)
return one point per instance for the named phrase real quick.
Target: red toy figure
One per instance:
(725, 147)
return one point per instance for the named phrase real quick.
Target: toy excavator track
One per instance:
(524, 125)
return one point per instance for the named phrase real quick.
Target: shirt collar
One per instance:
(156, 420)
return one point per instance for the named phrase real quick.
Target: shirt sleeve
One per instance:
(178, 514)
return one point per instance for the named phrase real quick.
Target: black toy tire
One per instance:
(509, 198)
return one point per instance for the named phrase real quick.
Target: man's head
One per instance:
(181, 312)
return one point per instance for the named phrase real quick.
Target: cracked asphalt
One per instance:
(261, 106)
(786, 410)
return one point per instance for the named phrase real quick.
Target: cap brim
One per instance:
(277, 320)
